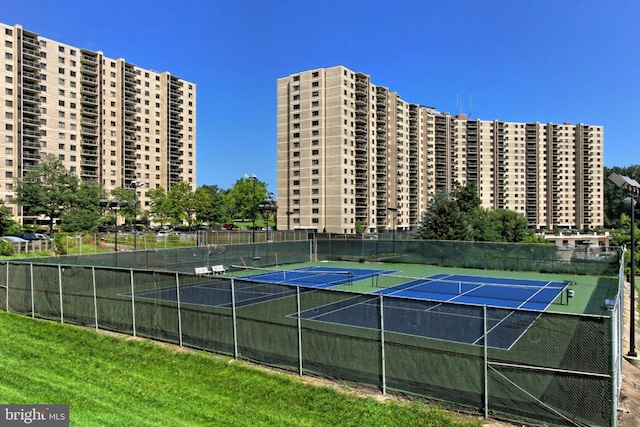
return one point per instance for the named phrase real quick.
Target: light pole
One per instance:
(114, 205)
(267, 207)
(633, 189)
(253, 206)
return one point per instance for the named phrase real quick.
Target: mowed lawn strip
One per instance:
(114, 381)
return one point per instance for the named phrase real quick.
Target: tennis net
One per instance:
(308, 276)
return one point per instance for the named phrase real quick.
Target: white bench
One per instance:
(202, 271)
(218, 269)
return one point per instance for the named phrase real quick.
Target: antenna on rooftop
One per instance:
(457, 105)
(469, 105)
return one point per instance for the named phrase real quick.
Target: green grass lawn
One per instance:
(113, 381)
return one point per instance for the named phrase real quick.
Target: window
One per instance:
(315, 152)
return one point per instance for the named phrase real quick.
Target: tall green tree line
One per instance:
(58, 194)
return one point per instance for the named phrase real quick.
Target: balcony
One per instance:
(89, 79)
(89, 59)
(88, 69)
(31, 75)
(30, 40)
(33, 65)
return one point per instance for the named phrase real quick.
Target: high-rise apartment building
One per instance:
(105, 119)
(351, 152)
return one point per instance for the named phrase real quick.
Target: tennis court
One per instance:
(446, 307)
(314, 277)
(429, 319)
(449, 307)
(480, 290)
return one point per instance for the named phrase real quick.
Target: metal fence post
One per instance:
(33, 307)
(615, 361)
(179, 313)
(133, 304)
(95, 295)
(233, 315)
(383, 363)
(486, 363)
(299, 330)
(7, 283)
(60, 289)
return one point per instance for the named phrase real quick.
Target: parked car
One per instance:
(166, 233)
(13, 239)
(26, 236)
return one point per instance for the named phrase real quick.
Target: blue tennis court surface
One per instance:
(314, 277)
(479, 290)
(429, 319)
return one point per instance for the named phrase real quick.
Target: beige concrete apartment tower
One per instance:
(354, 156)
(105, 119)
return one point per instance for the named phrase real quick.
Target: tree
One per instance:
(466, 197)
(180, 203)
(7, 224)
(212, 204)
(159, 204)
(614, 196)
(85, 214)
(512, 226)
(535, 238)
(443, 220)
(48, 189)
(484, 226)
(245, 196)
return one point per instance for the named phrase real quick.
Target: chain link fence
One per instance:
(545, 367)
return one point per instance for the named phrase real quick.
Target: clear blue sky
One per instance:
(545, 60)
